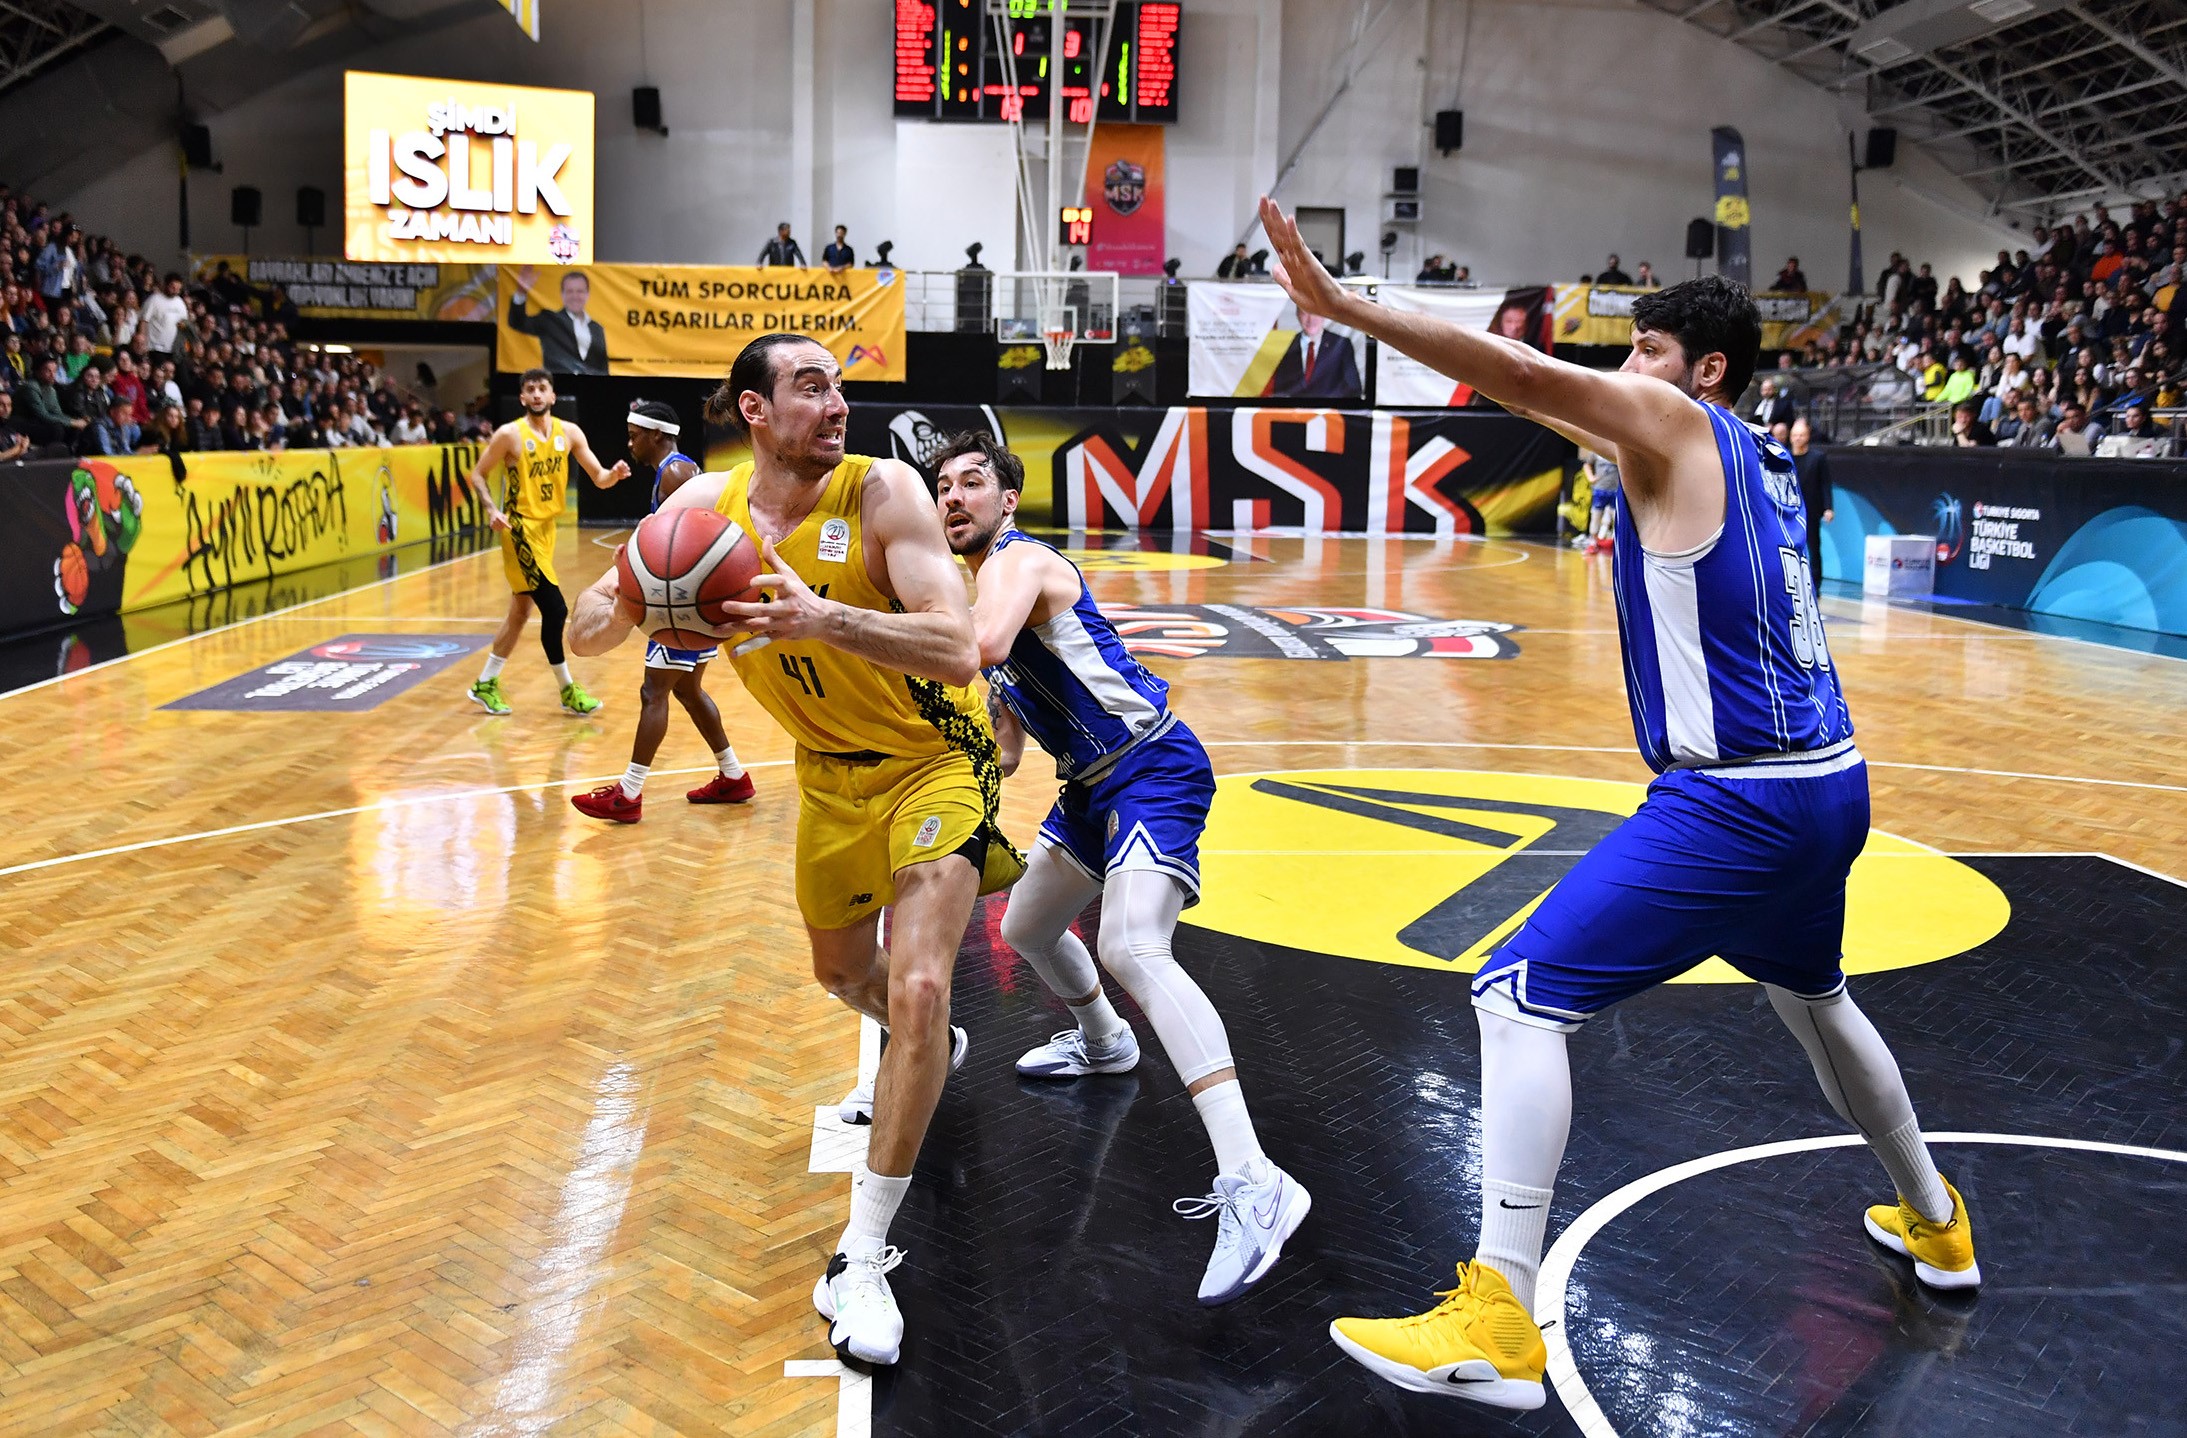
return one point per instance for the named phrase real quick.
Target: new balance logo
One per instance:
(857, 899)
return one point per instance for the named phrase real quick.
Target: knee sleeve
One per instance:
(554, 612)
(1038, 923)
(1139, 911)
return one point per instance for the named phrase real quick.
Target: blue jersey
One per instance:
(654, 505)
(1074, 686)
(1725, 661)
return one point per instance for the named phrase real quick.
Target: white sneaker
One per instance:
(1068, 1055)
(857, 1105)
(1255, 1210)
(853, 1295)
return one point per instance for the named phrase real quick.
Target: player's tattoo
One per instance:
(994, 706)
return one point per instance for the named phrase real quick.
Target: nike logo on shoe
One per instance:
(1507, 1203)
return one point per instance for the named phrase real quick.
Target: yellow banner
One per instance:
(692, 319)
(1603, 315)
(465, 171)
(350, 290)
(233, 518)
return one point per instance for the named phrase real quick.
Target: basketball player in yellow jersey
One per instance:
(535, 451)
(864, 654)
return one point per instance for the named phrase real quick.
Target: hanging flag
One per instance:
(526, 14)
(1734, 242)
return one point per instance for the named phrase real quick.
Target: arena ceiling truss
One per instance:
(36, 33)
(2042, 105)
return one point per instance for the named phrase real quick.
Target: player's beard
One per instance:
(534, 407)
(975, 541)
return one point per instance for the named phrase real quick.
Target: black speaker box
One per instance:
(1405, 180)
(246, 207)
(197, 147)
(1450, 130)
(311, 207)
(645, 107)
(1701, 239)
(1882, 149)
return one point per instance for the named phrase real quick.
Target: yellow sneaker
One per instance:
(1943, 1253)
(1479, 1343)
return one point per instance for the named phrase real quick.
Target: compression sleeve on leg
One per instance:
(1139, 909)
(554, 612)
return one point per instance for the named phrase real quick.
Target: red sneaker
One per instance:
(609, 802)
(721, 789)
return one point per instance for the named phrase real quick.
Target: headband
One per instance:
(646, 421)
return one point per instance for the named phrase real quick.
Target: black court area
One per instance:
(1049, 1288)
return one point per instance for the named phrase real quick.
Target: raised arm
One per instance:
(498, 451)
(581, 452)
(1631, 412)
(932, 638)
(1010, 588)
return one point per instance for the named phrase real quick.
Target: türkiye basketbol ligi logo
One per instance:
(1124, 186)
(1951, 530)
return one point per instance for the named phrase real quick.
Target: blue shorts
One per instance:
(1736, 863)
(1145, 812)
(660, 656)
(1602, 498)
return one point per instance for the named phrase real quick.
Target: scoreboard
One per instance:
(952, 64)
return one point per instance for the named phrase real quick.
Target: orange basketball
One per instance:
(681, 564)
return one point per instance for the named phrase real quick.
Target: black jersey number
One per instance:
(800, 668)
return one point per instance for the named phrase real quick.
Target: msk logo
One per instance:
(1951, 531)
(866, 354)
(1439, 867)
(1124, 186)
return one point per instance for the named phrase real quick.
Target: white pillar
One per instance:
(1267, 106)
(801, 130)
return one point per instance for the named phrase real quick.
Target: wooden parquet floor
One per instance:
(418, 1103)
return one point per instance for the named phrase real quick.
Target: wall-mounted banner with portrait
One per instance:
(1249, 342)
(1523, 314)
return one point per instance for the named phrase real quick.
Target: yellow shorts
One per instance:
(860, 821)
(527, 553)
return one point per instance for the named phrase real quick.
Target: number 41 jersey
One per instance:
(1725, 660)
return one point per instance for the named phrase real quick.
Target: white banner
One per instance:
(1227, 326)
(1402, 380)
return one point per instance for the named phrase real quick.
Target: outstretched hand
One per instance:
(1311, 287)
(795, 612)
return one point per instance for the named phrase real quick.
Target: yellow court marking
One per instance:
(1138, 561)
(1403, 864)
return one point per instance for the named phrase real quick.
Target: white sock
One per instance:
(634, 780)
(1229, 1126)
(1514, 1224)
(493, 667)
(562, 675)
(727, 759)
(1905, 1156)
(1099, 1021)
(874, 1199)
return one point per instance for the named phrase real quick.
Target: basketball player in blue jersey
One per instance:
(1136, 790)
(1743, 844)
(653, 428)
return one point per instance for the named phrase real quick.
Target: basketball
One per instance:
(681, 565)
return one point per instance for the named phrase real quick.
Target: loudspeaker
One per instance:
(1701, 239)
(1882, 149)
(1405, 180)
(645, 107)
(246, 206)
(1450, 130)
(197, 147)
(311, 207)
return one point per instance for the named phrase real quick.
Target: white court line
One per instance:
(1994, 629)
(853, 1393)
(284, 611)
(450, 796)
(1556, 1269)
(2070, 854)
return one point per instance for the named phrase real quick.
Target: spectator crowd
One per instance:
(100, 353)
(2071, 344)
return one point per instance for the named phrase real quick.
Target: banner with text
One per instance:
(1124, 190)
(1248, 342)
(352, 290)
(1603, 315)
(104, 535)
(692, 319)
(1320, 471)
(1517, 314)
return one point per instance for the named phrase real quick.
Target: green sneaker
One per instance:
(576, 701)
(488, 696)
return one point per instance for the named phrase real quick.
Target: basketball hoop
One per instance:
(1058, 343)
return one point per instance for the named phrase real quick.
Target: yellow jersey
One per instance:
(836, 703)
(538, 477)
